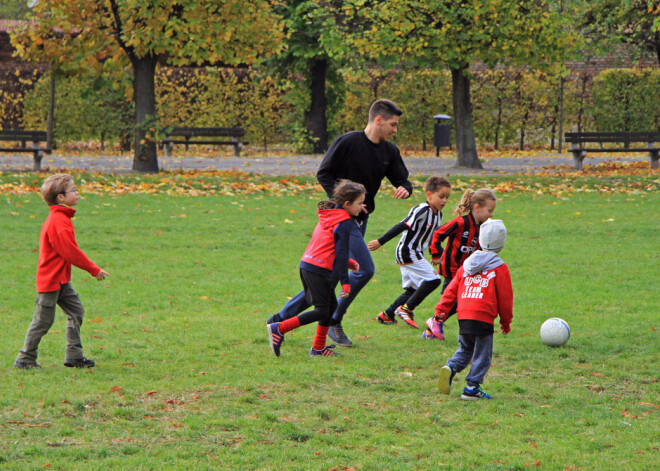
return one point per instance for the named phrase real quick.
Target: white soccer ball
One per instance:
(555, 332)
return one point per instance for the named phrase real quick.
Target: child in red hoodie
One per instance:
(482, 289)
(58, 250)
(324, 263)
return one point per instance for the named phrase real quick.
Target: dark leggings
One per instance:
(412, 297)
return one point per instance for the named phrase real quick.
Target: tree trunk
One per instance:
(498, 124)
(466, 145)
(315, 119)
(145, 158)
(51, 110)
(523, 128)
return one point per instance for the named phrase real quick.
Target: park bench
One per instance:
(34, 137)
(204, 136)
(580, 144)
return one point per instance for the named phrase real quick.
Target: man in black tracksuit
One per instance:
(364, 157)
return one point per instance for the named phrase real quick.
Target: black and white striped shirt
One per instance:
(417, 228)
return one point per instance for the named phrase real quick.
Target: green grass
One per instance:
(186, 379)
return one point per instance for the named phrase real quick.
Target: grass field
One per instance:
(186, 380)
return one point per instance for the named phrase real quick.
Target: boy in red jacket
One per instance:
(482, 288)
(58, 250)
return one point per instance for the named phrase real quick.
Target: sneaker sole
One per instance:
(443, 380)
(469, 398)
(473, 398)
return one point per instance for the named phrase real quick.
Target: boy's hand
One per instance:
(101, 275)
(345, 291)
(505, 330)
(374, 245)
(355, 267)
(435, 261)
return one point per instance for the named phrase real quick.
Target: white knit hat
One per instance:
(492, 235)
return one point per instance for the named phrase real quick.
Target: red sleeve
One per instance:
(440, 234)
(352, 264)
(504, 296)
(449, 296)
(64, 243)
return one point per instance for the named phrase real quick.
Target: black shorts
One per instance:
(319, 290)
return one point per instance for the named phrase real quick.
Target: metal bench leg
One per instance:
(38, 155)
(655, 155)
(168, 149)
(578, 157)
(237, 149)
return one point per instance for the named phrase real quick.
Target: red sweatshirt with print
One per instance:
(58, 250)
(481, 296)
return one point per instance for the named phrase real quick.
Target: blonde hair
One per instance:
(471, 197)
(53, 186)
(345, 190)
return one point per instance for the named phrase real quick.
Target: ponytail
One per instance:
(471, 197)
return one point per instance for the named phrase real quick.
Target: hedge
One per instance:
(512, 107)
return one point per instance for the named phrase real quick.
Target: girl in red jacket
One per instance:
(462, 236)
(324, 263)
(58, 250)
(482, 289)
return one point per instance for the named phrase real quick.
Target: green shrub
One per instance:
(622, 100)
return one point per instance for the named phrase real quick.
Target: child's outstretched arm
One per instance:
(440, 234)
(102, 275)
(389, 235)
(449, 297)
(504, 298)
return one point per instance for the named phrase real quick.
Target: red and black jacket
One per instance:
(327, 252)
(462, 234)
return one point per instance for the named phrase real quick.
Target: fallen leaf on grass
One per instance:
(116, 388)
(625, 413)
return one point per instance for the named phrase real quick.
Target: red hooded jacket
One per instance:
(58, 250)
(482, 292)
(328, 248)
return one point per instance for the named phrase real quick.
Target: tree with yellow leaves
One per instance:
(455, 34)
(90, 34)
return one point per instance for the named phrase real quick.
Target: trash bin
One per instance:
(441, 132)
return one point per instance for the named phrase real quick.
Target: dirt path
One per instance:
(294, 164)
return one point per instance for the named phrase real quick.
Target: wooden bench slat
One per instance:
(578, 141)
(203, 136)
(205, 142)
(597, 149)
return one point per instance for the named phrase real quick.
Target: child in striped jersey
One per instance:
(461, 234)
(418, 276)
